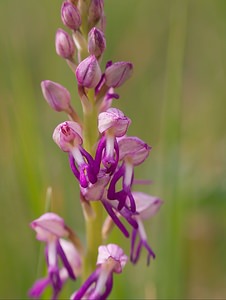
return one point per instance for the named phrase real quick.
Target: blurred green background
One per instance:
(176, 100)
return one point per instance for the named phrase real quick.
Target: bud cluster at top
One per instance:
(102, 158)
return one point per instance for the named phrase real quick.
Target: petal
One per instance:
(38, 287)
(95, 191)
(84, 289)
(72, 255)
(114, 252)
(115, 120)
(115, 218)
(48, 225)
(147, 206)
(68, 135)
(134, 149)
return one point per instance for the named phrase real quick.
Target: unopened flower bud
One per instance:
(70, 16)
(116, 74)
(57, 96)
(64, 44)
(96, 42)
(88, 72)
(96, 10)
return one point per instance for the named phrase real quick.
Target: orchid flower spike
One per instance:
(103, 163)
(111, 259)
(51, 229)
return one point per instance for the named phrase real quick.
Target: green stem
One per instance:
(90, 132)
(84, 9)
(93, 221)
(93, 239)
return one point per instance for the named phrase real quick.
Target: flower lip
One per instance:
(95, 191)
(39, 287)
